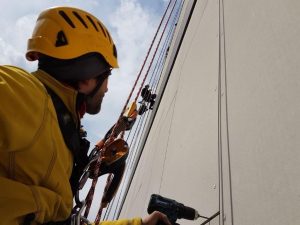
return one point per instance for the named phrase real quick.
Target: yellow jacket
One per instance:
(35, 164)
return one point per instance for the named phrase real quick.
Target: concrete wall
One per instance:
(226, 133)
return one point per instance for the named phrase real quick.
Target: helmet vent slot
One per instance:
(66, 18)
(102, 29)
(61, 39)
(80, 19)
(110, 40)
(115, 51)
(92, 22)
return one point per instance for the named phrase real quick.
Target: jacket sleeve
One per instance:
(18, 200)
(134, 221)
(26, 186)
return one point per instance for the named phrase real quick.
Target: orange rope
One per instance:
(138, 94)
(102, 144)
(143, 65)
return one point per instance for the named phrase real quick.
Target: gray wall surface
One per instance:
(226, 133)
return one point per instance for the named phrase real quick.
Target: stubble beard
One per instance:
(92, 106)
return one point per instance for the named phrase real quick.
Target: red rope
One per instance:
(89, 197)
(140, 89)
(91, 192)
(143, 65)
(108, 183)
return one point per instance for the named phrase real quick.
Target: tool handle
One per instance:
(162, 223)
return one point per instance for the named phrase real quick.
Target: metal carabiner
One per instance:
(77, 219)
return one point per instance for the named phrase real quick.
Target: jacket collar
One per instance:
(67, 94)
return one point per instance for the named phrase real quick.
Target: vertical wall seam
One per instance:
(168, 140)
(220, 164)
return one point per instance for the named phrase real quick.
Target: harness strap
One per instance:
(28, 219)
(71, 134)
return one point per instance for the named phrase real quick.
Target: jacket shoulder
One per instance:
(23, 105)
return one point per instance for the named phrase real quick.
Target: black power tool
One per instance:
(172, 209)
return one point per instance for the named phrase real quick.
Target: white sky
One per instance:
(132, 24)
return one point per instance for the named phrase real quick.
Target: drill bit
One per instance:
(197, 215)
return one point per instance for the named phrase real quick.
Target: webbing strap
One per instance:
(66, 123)
(71, 135)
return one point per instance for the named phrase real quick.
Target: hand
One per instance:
(154, 218)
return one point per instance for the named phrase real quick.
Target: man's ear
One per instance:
(87, 86)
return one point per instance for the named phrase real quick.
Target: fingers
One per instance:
(163, 218)
(155, 217)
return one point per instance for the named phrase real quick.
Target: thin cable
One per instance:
(166, 151)
(162, 54)
(166, 42)
(126, 172)
(138, 77)
(220, 157)
(179, 44)
(147, 55)
(226, 110)
(105, 217)
(91, 192)
(137, 141)
(140, 89)
(140, 127)
(108, 183)
(136, 133)
(162, 61)
(128, 169)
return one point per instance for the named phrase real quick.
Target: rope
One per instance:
(172, 64)
(139, 74)
(135, 142)
(140, 89)
(163, 53)
(171, 35)
(152, 59)
(133, 156)
(220, 163)
(141, 124)
(220, 144)
(108, 183)
(226, 109)
(91, 192)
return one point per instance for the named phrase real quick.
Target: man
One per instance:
(40, 144)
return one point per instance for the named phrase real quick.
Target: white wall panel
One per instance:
(180, 158)
(262, 52)
(255, 141)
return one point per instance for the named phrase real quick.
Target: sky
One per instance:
(132, 25)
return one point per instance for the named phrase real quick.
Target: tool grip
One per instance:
(162, 223)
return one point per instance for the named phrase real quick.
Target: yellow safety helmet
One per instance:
(67, 33)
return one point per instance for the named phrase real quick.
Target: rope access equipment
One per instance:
(110, 153)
